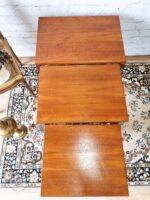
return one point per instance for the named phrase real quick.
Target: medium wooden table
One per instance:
(72, 94)
(81, 85)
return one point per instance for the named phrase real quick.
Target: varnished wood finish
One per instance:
(83, 161)
(79, 40)
(81, 94)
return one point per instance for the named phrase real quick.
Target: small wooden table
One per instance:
(79, 40)
(81, 84)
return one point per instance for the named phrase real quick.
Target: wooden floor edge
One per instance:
(138, 59)
(27, 60)
(129, 59)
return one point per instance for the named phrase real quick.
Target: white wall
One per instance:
(19, 18)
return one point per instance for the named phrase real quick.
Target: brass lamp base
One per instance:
(9, 128)
(20, 132)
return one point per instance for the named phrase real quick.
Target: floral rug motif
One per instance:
(20, 164)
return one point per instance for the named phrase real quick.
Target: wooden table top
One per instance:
(79, 40)
(83, 161)
(81, 94)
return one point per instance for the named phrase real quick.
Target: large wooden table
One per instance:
(79, 88)
(83, 160)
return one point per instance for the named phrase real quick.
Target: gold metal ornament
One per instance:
(20, 132)
(9, 128)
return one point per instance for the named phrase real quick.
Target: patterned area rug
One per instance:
(136, 132)
(21, 159)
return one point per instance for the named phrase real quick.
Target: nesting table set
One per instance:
(81, 102)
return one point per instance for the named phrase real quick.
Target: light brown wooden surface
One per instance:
(83, 161)
(79, 40)
(81, 94)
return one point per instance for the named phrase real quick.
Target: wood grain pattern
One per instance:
(79, 40)
(83, 161)
(81, 94)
